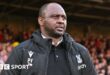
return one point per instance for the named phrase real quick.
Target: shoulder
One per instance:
(22, 46)
(75, 45)
(19, 50)
(79, 47)
(26, 43)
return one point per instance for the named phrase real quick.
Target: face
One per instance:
(54, 21)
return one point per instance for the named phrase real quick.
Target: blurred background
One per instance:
(88, 24)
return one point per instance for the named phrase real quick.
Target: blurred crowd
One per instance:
(98, 46)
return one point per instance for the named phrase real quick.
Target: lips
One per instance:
(60, 28)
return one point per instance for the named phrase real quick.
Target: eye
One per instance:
(64, 17)
(55, 16)
(58, 16)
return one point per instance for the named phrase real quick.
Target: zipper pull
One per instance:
(57, 57)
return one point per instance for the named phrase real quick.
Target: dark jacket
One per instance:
(35, 52)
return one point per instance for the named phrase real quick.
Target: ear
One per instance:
(41, 21)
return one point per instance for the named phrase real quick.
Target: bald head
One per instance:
(48, 7)
(52, 20)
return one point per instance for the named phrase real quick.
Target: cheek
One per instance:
(47, 25)
(65, 23)
(50, 23)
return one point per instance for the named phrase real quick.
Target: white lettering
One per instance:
(81, 66)
(19, 66)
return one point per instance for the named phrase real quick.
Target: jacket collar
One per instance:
(46, 43)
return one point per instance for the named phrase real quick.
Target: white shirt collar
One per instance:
(44, 37)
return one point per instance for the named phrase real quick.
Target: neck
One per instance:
(55, 41)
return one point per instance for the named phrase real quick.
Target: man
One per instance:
(50, 50)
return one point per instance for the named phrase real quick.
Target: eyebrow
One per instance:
(59, 15)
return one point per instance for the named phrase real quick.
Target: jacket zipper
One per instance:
(70, 60)
(47, 59)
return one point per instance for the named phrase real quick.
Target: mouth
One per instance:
(60, 28)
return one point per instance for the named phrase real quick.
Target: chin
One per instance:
(59, 34)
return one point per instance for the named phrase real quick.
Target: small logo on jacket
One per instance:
(30, 59)
(81, 65)
(79, 59)
(30, 53)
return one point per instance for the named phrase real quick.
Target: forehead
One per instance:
(55, 9)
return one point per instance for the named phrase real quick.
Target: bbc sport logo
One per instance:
(9, 67)
(1, 66)
(5, 66)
